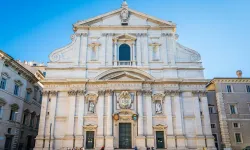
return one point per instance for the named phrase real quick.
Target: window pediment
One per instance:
(125, 37)
(5, 75)
(2, 102)
(18, 82)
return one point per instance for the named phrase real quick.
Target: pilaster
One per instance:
(69, 137)
(83, 48)
(148, 101)
(109, 139)
(79, 131)
(168, 112)
(138, 50)
(100, 114)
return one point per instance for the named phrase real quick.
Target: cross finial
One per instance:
(124, 3)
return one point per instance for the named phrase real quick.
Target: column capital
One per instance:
(81, 92)
(172, 92)
(45, 93)
(72, 93)
(139, 93)
(199, 93)
(101, 93)
(109, 92)
(53, 93)
(148, 92)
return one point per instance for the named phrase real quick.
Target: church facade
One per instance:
(124, 81)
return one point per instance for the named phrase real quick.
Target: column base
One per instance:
(109, 143)
(150, 141)
(68, 141)
(79, 141)
(140, 142)
(171, 142)
(99, 142)
(181, 142)
(210, 142)
(201, 141)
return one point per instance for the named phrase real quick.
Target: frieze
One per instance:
(192, 87)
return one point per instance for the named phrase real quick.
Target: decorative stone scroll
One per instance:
(72, 93)
(199, 93)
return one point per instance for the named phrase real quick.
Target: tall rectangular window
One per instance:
(233, 109)
(211, 109)
(3, 83)
(229, 88)
(213, 126)
(16, 90)
(238, 138)
(27, 96)
(248, 88)
(12, 115)
(236, 125)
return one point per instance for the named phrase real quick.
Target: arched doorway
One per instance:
(124, 52)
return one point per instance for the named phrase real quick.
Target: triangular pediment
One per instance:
(124, 76)
(135, 19)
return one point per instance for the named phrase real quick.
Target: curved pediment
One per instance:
(125, 74)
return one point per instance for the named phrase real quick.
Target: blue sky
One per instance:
(217, 29)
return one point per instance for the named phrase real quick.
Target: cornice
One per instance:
(22, 71)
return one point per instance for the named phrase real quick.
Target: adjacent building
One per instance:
(20, 103)
(229, 107)
(124, 81)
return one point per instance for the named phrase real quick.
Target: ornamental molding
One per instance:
(29, 90)
(172, 92)
(5, 75)
(125, 100)
(2, 102)
(90, 127)
(236, 80)
(101, 93)
(53, 93)
(109, 92)
(148, 92)
(158, 97)
(167, 34)
(18, 82)
(160, 127)
(72, 93)
(14, 107)
(91, 97)
(199, 93)
(45, 93)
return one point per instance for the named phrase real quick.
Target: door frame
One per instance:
(163, 128)
(89, 128)
(130, 133)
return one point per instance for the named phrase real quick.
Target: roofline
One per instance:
(232, 78)
(77, 24)
(11, 59)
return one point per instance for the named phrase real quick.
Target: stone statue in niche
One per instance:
(91, 107)
(158, 108)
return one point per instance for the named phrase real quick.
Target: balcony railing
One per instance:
(124, 63)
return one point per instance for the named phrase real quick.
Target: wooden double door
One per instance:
(125, 136)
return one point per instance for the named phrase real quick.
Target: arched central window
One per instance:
(124, 52)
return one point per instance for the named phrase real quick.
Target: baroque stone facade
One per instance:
(124, 81)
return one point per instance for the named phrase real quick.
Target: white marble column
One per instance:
(168, 112)
(150, 134)
(69, 137)
(79, 131)
(42, 123)
(206, 121)
(179, 121)
(109, 139)
(100, 115)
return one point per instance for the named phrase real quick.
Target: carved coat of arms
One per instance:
(125, 100)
